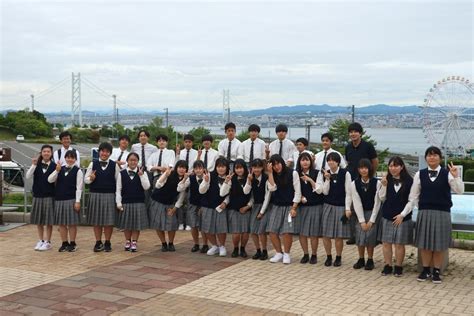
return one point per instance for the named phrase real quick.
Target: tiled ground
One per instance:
(150, 282)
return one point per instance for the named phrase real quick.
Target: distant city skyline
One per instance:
(182, 55)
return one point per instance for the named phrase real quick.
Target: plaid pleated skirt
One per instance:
(64, 213)
(399, 235)
(433, 230)
(258, 226)
(332, 225)
(101, 210)
(133, 217)
(213, 222)
(278, 220)
(366, 238)
(42, 211)
(311, 220)
(238, 223)
(159, 218)
(192, 216)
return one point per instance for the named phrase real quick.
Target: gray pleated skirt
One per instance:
(258, 226)
(192, 216)
(64, 213)
(278, 220)
(42, 211)
(133, 217)
(238, 223)
(332, 225)
(399, 235)
(159, 218)
(311, 220)
(433, 230)
(101, 210)
(368, 238)
(213, 222)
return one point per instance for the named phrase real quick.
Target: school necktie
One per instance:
(120, 156)
(432, 173)
(103, 164)
(334, 177)
(365, 186)
(131, 173)
(228, 150)
(205, 159)
(143, 157)
(280, 151)
(324, 160)
(251, 152)
(160, 157)
(220, 180)
(396, 181)
(44, 165)
(187, 156)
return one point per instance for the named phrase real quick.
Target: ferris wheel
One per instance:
(448, 115)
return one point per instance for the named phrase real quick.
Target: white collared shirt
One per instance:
(288, 148)
(149, 150)
(116, 153)
(62, 160)
(357, 203)
(258, 149)
(87, 178)
(167, 160)
(318, 159)
(31, 170)
(326, 184)
(79, 181)
(212, 156)
(234, 148)
(193, 153)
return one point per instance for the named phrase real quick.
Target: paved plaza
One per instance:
(150, 282)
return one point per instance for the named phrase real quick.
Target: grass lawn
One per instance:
(6, 134)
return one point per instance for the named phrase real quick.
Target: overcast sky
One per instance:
(181, 55)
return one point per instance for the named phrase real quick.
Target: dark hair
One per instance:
(404, 175)
(181, 163)
(161, 136)
(365, 163)
(280, 179)
(173, 179)
(65, 134)
(106, 146)
(207, 138)
(302, 140)
(70, 154)
(281, 128)
(433, 150)
(133, 154)
(334, 157)
(328, 136)
(198, 164)
(44, 147)
(229, 125)
(241, 163)
(304, 155)
(355, 127)
(143, 131)
(188, 137)
(257, 163)
(222, 161)
(126, 137)
(254, 128)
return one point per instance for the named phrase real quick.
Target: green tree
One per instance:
(243, 135)
(29, 124)
(198, 133)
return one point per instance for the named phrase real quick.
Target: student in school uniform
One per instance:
(42, 209)
(311, 208)
(336, 210)
(165, 200)
(143, 148)
(120, 154)
(229, 146)
(253, 147)
(132, 183)
(284, 185)
(65, 139)
(69, 181)
(162, 159)
(432, 188)
(207, 154)
(282, 146)
(366, 206)
(396, 229)
(257, 186)
(193, 211)
(301, 147)
(214, 213)
(238, 209)
(101, 175)
(320, 162)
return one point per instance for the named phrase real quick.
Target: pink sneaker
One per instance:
(133, 247)
(127, 245)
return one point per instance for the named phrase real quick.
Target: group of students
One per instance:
(248, 189)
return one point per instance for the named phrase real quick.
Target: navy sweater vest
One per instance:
(212, 198)
(284, 194)
(337, 190)
(168, 193)
(367, 197)
(395, 201)
(66, 185)
(132, 190)
(41, 186)
(194, 195)
(312, 198)
(258, 191)
(237, 197)
(435, 195)
(104, 179)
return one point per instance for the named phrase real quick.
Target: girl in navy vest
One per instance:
(432, 188)
(214, 215)
(239, 207)
(165, 200)
(67, 205)
(42, 209)
(257, 185)
(101, 175)
(193, 213)
(366, 206)
(132, 183)
(311, 207)
(396, 229)
(337, 207)
(284, 183)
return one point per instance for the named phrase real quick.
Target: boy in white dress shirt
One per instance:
(253, 147)
(282, 146)
(229, 146)
(65, 138)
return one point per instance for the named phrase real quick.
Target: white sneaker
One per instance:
(222, 251)
(213, 251)
(188, 228)
(181, 227)
(45, 246)
(286, 258)
(276, 258)
(39, 244)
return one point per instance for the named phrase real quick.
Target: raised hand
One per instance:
(327, 175)
(384, 180)
(206, 175)
(269, 168)
(178, 149)
(229, 177)
(250, 178)
(58, 167)
(92, 176)
(140, 171)
(34, 161)
(453, 170)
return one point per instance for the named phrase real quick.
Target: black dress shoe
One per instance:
(370, 264)
(398, 271)
(164, 247)
(264, 255)
(99, 246)
(204, 248)
(243, 253)
(257, 255)
(338, 261)
(328, 261)
(387, 270)
(305, 258)
(351, 241)
(195, 248)
(107, 246)
(359, 264)
(171, 247)
(313, 259)
(235, 253)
